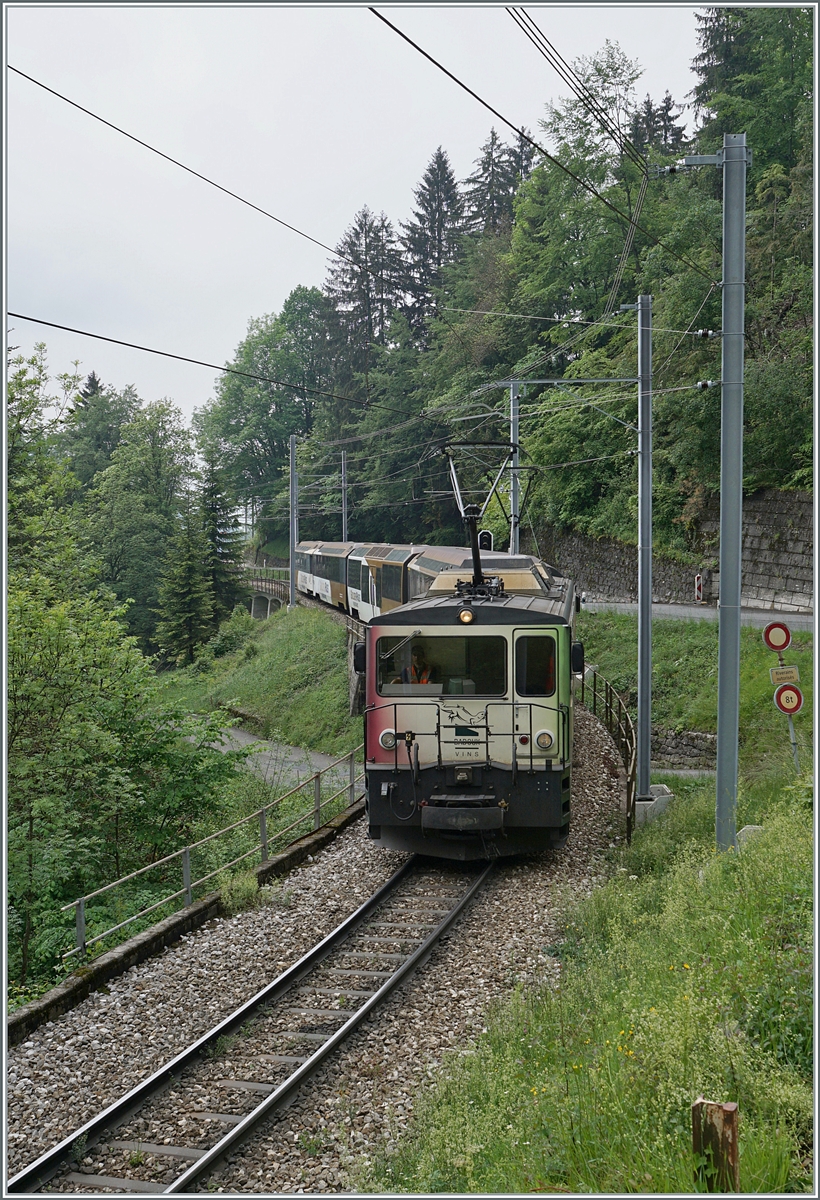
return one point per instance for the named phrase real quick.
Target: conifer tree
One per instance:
(655, 127)
(756, 75)
(490, 189)
(91, 387)
(93, 428)
(365, 283)
(521, 157)
(431, 239)
(225, 546)
(186, 595)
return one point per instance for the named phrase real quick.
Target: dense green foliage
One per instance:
(508, 273)
(102, 776)
(688, 973)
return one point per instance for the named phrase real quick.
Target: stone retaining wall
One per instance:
(687, 748)
(778, 549)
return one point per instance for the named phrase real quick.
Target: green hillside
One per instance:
(684, 677)
(287, 677)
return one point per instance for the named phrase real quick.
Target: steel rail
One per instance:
(280, 1097)
(31, 1178)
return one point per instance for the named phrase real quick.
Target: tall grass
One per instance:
(675, 982)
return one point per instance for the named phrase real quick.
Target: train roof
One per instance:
(495, 610)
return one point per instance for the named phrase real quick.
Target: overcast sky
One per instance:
(308, 111)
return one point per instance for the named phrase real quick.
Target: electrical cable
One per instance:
(485, 312)
(181, 165)
(550, 158)
(298, 387)
(205, 179)
(612, 130)
(528, 26)
(577, 462)
(677, 345)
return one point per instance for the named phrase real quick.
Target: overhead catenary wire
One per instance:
(438, 413)
(612, 130)
(528, 26)
(486, 312)
(546, 154)
(176, 162)
(220, 187)
(677, 345)
(298, 387)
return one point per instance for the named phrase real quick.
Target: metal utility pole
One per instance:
(731, 483)
(294, 520)
(344, 495)
(514, 495)
(644, 747)
(734, 158)
(644, 546)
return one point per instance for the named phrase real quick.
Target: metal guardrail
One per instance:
(279, 574)
(270, 581)
(615, 716)
(188, 885)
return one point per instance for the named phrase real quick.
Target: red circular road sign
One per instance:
(789, 699)
(777, 636)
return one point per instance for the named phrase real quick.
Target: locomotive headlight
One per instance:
(544, 739)
(387, 739)
(466, 616)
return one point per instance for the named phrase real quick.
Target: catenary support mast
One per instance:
(294, 520)
(734, 157)
(731, 483)
(515, 515)
(344, 495)
(644, 546)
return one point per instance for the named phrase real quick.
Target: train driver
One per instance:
(419, 671)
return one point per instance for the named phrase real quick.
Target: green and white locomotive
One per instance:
(469, 712)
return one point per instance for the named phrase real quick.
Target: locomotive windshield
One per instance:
(450, 666)
(535, 666)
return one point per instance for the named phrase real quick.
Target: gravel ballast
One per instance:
(360, 1102)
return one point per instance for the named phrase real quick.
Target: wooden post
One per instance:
(317, 800)
(714, 1143)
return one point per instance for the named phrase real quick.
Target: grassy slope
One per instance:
(695, 979)
(295, 687)
(686, 973)
(684, 677)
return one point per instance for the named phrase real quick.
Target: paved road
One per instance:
(279, 764)
(707, 612)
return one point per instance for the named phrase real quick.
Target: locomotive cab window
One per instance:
(535, 666)
(442, 666)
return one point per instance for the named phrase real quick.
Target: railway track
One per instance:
(176, 1128)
